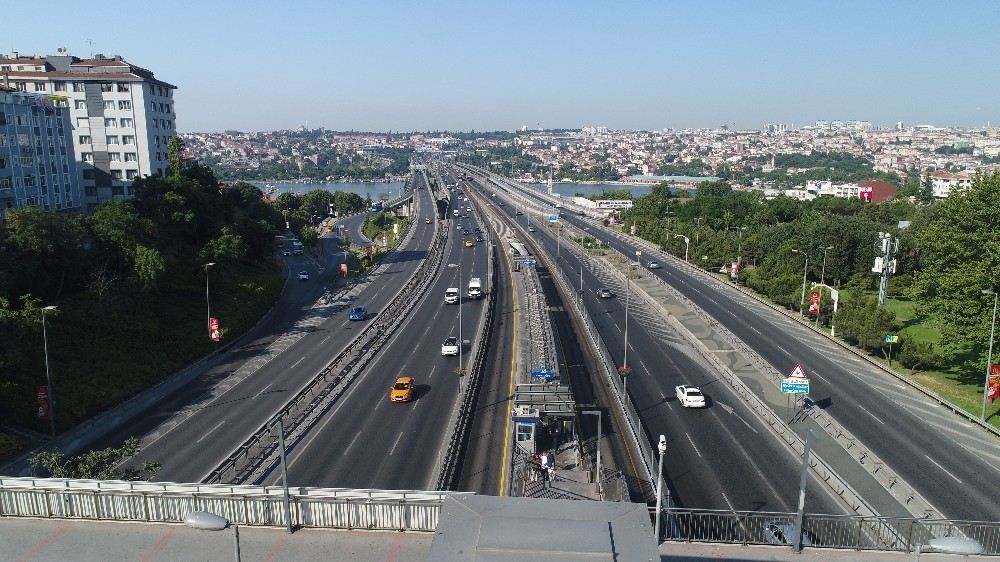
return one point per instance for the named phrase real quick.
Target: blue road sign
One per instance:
(553, 218)
(795, 386)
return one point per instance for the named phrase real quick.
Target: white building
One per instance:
(943, 183)
(37, 165)
(122, 116)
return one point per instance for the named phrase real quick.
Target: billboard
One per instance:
(614, 203)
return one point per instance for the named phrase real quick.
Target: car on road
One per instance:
(358, 313)
(303, 275)
(402, 390)
(690, 396)
(518, 213)
(479, 238)
(477, 230)
(469, 244)
(465, 231)
(427, 220)
(777, 532)
(653, 265)
(450, 346)
(531, 229)
(605, 293)
(286, 252)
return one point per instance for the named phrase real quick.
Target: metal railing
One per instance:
(334, 508)
(853, 532)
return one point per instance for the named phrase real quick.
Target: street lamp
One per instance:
(461, 342)
(625, 355)
(208, 305)
(662, 448)
(805, 268)
(599, 435)
(989, 357)
(48, 373)
(687, 244)
(822, 274)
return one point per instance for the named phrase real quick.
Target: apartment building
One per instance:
(121, 116)
(943, 183)
(37, 164)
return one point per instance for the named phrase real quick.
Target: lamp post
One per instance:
(625, 355)
(461, 342)
(697, 232)
(687, 244)
(662, 448)
(208, 305)
(822, 274)
(599, 435)
(989, 357)
(48, 373)
(805, 268)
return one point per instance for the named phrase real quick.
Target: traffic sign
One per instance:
(798, 372)
(891, 339)
(795, 386)
(553, 218)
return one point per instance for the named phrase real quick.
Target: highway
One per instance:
(365, 441)
(192, 431)
(951, 464)
(721, 457)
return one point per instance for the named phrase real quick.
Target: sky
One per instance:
(463, 65)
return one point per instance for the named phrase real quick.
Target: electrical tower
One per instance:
(885, 262)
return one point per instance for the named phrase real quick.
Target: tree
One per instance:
(862, 322)
(175, 157)
(103, 464)
(228, 246)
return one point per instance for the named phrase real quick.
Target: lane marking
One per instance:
(263, 390)
(393, 449)
(324, 339)
(943, 469)
(693, 446)
(729, 503)
(296, 364)
(211, 431)
(870, 414)
(351, 444)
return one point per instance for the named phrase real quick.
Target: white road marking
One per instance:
(393, 449)
(945, 470)
(693, 446)
(729, 503)
(872, 415)
(263, 390)
(351, 444)
(324, 340)
(211, 431)
(296, 364)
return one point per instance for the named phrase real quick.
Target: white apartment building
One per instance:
(37, 165)
(943, 183)
(122, 116)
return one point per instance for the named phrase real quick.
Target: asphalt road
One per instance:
(367, 442)
(951, 464)
(720, 457)
(192, 431)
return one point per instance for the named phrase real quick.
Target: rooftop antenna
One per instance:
(90, 43)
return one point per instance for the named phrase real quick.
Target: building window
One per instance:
(107, 87)
(27, 161)
(39, 86)
(131, 157)
(3, 163)
(59, 86)
(124, 104)
(117, 190)
(127, 123)
(156, 140)
(115, 156)
(80, 104)
(112, 140)
(116, 174)
(128, 139)
(29, 181)
(82, 122)
(88, 174)
(109, 104)
(123, 86)
(78, 87)
(110, 122)
(84, 139)
(131, 174)
(21, 86)
(87, 156)
(3, 120)
(90, 191)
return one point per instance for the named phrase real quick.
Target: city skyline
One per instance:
(451, 66)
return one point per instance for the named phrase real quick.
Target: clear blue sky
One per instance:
(255, 65)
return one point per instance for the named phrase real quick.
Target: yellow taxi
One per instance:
(402, 390)
(468, 243)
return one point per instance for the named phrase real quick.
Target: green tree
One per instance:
(175, 157)
(228, 246)
(103, 464)
(862, 322)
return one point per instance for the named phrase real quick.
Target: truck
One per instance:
(475, 288)
(451, 295)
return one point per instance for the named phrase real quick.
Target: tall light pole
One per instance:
(989, 357)
(461, 342)
(822, 274)
(625, 357)
(208, 305)
(687, 244)
(662, 448)
(48, 373)
(805, 269)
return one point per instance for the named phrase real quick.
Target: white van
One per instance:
(475, 288)
(451, 295)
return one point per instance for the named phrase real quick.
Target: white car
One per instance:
(690, 396)
(450, 346)
(653, 265)
(303, 275)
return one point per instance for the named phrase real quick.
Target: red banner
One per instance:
(42, 395)
(213, 329)
(814, 297)
(994, 383)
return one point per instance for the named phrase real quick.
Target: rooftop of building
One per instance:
(62, 65)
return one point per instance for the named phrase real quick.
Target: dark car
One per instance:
(605, 293)
(465, 231)
(358, 313)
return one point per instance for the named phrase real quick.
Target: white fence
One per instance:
(336, 508)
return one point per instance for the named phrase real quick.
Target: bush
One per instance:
(918, 355)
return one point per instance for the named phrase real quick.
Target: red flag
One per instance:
(213, 329)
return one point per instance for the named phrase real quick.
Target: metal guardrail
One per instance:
(332, 508)
(852, 532)
(258, 453)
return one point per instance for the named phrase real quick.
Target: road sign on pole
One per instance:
(795, 386)
(798, 372)
(553, 218)
(891, 339)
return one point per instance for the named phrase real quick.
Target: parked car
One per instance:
(605, 293)
(358, 313)
(450, 346)
(303, 275)
(402, 390)
(690, 396)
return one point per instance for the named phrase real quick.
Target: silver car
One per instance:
(777, 532)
